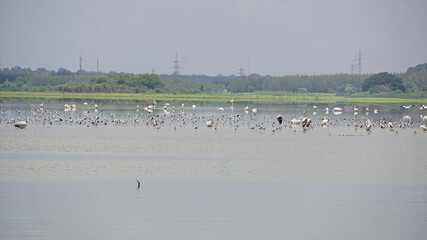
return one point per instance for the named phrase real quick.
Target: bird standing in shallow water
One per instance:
(21, 124)
(279, 119)
(139, 183)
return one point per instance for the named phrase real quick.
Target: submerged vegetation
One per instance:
(42, 83)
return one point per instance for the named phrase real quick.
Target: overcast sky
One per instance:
(280, 37)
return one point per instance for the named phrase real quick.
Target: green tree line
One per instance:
(23, 79)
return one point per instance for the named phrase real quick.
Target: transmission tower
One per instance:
(81, 60)
(176, 66)
(352, 67)
(249, 66)
(1, 60)
(359, 62)
(241, 71)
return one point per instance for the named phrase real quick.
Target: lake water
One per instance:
(243, 178)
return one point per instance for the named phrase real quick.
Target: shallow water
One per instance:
(77, 181)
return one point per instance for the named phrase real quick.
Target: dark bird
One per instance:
(279, 119)
(139, 183)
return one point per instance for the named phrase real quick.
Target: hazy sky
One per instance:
(281, 37)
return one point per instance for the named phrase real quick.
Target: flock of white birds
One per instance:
(158, 117)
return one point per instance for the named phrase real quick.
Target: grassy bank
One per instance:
(226, 97)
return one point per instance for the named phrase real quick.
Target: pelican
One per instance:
(376, 111)
(406, 118)
(337, 109)
(279, 119)
(221, 109)
(21, 124)
(296, 121)
(254, 110)
(324, 122)
(407, 107)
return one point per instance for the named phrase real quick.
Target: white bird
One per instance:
(407, 107)
(423, 127)
(324, 122)
(194, 106)
(247, 109)
(368, 126)
(254, 110)
(21, 124)
(423, 107)
(209, 123)
(296, 121)
(337, 109)
(221, 109)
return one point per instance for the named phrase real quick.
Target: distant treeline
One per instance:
(24, 79)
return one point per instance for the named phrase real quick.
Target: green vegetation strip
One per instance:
(226, 97)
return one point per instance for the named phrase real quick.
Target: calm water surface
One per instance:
(246, 179)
